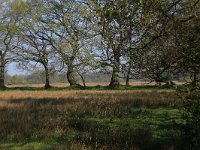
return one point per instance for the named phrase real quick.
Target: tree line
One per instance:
(141, 39)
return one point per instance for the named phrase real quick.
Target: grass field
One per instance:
(83, 119)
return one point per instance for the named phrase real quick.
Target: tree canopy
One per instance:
(144, 39)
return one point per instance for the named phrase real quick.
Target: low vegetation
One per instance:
(90, 119)
(191, 132)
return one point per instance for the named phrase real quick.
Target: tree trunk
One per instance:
(2, 69)
(115, 74)
(83, 80)
(194, 82)
(2, 77)
(128, 75)
(47, 79)
(70, 76)
(169, 83)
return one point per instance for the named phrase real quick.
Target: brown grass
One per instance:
(34, 114)
(11, 99)
(77, 94)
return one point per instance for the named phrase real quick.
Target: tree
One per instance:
(126, 28)
(187, 33)
(66, 30)
(33, 49)
(8, 29)
(115, 19)
(151, 54)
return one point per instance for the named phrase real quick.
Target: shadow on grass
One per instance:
(98, 87)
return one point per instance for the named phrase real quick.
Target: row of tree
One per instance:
(140, 39)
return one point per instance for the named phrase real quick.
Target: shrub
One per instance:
(191, 130)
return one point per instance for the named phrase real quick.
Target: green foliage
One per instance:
(16, 80)
(18, 6)
(191, 116)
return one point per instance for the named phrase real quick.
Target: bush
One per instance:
(191, 130)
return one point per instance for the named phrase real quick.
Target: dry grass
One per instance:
(36, 114)
(86, 94)
(74, 99)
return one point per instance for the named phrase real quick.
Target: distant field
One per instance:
(89, 84)
(88, 120)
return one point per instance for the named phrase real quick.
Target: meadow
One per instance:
(90, 119)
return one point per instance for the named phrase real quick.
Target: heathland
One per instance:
(93, 118)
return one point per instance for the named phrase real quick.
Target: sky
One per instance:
(12, 70)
